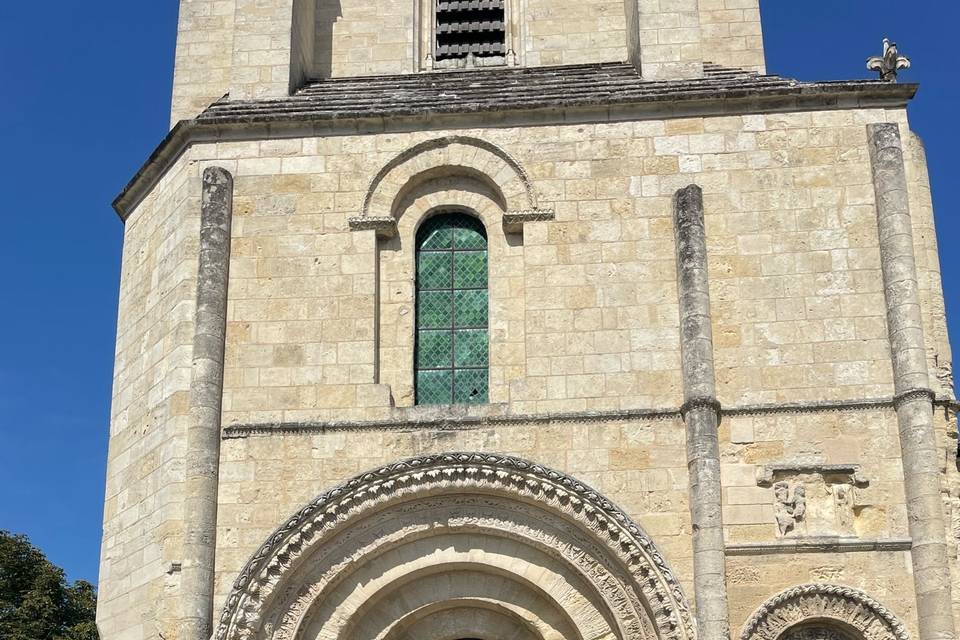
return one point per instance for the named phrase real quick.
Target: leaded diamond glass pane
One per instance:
(436, 233)
(470, 348)
(435, 387)
(469, 236)
(470, 270)
(435, 309)
(434, 349)
(470, 308)
(434, 270)
(452, 350)
(471, 386)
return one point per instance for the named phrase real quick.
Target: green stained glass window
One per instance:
(452, 350)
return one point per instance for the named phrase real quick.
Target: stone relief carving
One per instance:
(815, 632)
(622, 563)
(790, 507)
(814, 499)
(804, 612)
(944, 372)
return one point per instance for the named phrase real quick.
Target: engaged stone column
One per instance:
(701, 413)
(914, 399)
(206, 394)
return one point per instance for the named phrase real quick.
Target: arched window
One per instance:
(452, 347)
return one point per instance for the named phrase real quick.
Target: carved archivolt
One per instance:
(854, 613)
(500, 541)
(450, 155)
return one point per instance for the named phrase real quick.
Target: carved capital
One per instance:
(385, 227)
(702, 403)
(913, 394)
(513, 221)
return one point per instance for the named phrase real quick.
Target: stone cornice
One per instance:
(774, 99)
(818, 545)
(461, 419)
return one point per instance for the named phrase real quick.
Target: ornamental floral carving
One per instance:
(787, 614)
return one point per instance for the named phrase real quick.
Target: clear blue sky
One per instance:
(84, 95)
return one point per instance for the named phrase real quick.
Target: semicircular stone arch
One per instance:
(452, 544)
(823, 612)
(456, 155)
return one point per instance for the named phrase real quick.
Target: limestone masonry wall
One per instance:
(584, 308)
(204, 58)
(731, 33)
(143, 505)
(266, 48)
(572, 32)
(639, 464)
(584, 329)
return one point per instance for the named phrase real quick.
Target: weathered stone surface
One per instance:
(202, 461)
(612, 342)
(701, 415)
(918, 438)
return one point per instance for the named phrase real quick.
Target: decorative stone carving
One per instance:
(889, 63)
(385, 227)
(817, 500)
(513, 221)
(802, 613)
(790, 507)
(357, 526)
(815, 632)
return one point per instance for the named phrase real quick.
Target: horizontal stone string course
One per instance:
(819, 545)
(410, 421)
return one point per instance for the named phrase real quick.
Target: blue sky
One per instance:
(84, 98)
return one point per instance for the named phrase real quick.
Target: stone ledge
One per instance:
(819, 544)
(385, 227)
(513, 221)
(457, 418)
(767, 474)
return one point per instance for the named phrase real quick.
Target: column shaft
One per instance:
(206, 395)
(701, 413)
(914, 399)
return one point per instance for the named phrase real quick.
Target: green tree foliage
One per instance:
(36, 603)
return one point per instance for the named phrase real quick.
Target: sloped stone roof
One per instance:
(490, 90)
(491, 97)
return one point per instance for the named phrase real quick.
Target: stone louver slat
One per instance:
(470, 26)
(468, 5)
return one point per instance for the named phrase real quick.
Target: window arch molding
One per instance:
(454, 154)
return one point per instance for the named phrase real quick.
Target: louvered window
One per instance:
(452, 351)
(467, 27)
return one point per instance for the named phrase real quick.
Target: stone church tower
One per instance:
(526, 320)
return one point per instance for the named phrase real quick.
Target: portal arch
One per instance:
(508, 545)
(823, 612)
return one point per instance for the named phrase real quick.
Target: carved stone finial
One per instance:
(889, 63)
